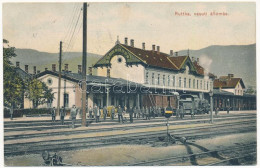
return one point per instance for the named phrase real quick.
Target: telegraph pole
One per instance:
(58, 105)
(84, 66)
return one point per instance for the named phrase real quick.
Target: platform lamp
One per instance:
(211, 106)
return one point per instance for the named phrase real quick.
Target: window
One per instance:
(146, 77)
(168, 80)
(197, 84)
(158, 79)
(163, 80)
(173, 81)
(193, 83)
(119, 60)
(184, 82)
(66, 100)
(200, 84)
(49, 81)
(189, 83)
(153, 78)
(179, 81)
(207, 85)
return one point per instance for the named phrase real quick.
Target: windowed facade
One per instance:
(152, 78)
(158, 82)
(207, 85)
(184, 82)
(146, 77)
(168, 80)
(200, 84)
(163, 80)
(173, 81)
(197, 84)
(193, 83)
(179, 81)
(189, 83)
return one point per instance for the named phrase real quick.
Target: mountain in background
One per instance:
(44, 60)
(239, 60)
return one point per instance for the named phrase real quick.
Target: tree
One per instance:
(38, 92)
(13, 84)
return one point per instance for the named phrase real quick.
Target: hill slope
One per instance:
(44, 60)
(237, 59)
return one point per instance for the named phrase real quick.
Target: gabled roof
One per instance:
(152, 58)
(227, 82)
(149, 58)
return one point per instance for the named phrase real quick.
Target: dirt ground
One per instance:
(129, 154)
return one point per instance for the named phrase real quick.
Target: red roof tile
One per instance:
(226, 82)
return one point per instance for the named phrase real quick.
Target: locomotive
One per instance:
(192, 104)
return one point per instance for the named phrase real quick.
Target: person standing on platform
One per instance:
(104, 113)
(97, 114)
(138, 111)
(95, 110)
(53, 114)
(131, 111)
(62, 115)
(73, 114)
(135, 112)
(120, 113)
(143, 112)
(112, 113)
(90, 110)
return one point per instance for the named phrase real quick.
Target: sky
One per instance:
(41, 26)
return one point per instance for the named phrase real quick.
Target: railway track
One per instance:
(194, 157)
(126, 126)
(23, 136)
(37, 123)
(135, 138)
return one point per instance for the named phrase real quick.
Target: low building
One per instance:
(229, 93)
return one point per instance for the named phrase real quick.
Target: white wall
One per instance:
(120, 70)
(70, 89)
(177, 75)
(238, 90)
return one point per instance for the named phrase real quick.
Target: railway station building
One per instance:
(131, 76)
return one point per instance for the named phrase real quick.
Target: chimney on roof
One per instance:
(176, 54)
(193, 59)
(126, 41)
(198, 61)
(54, 67)
(26, 67)
(153, 47)
(38, 71)
(90, 70)
(79, 69)
(17, 64)
(132, 43)
(230, 76)
(46, 69)
(108, 73)
(171, 52)
(158, 49)
(34, 70)
(143, 46)
(66, 67)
